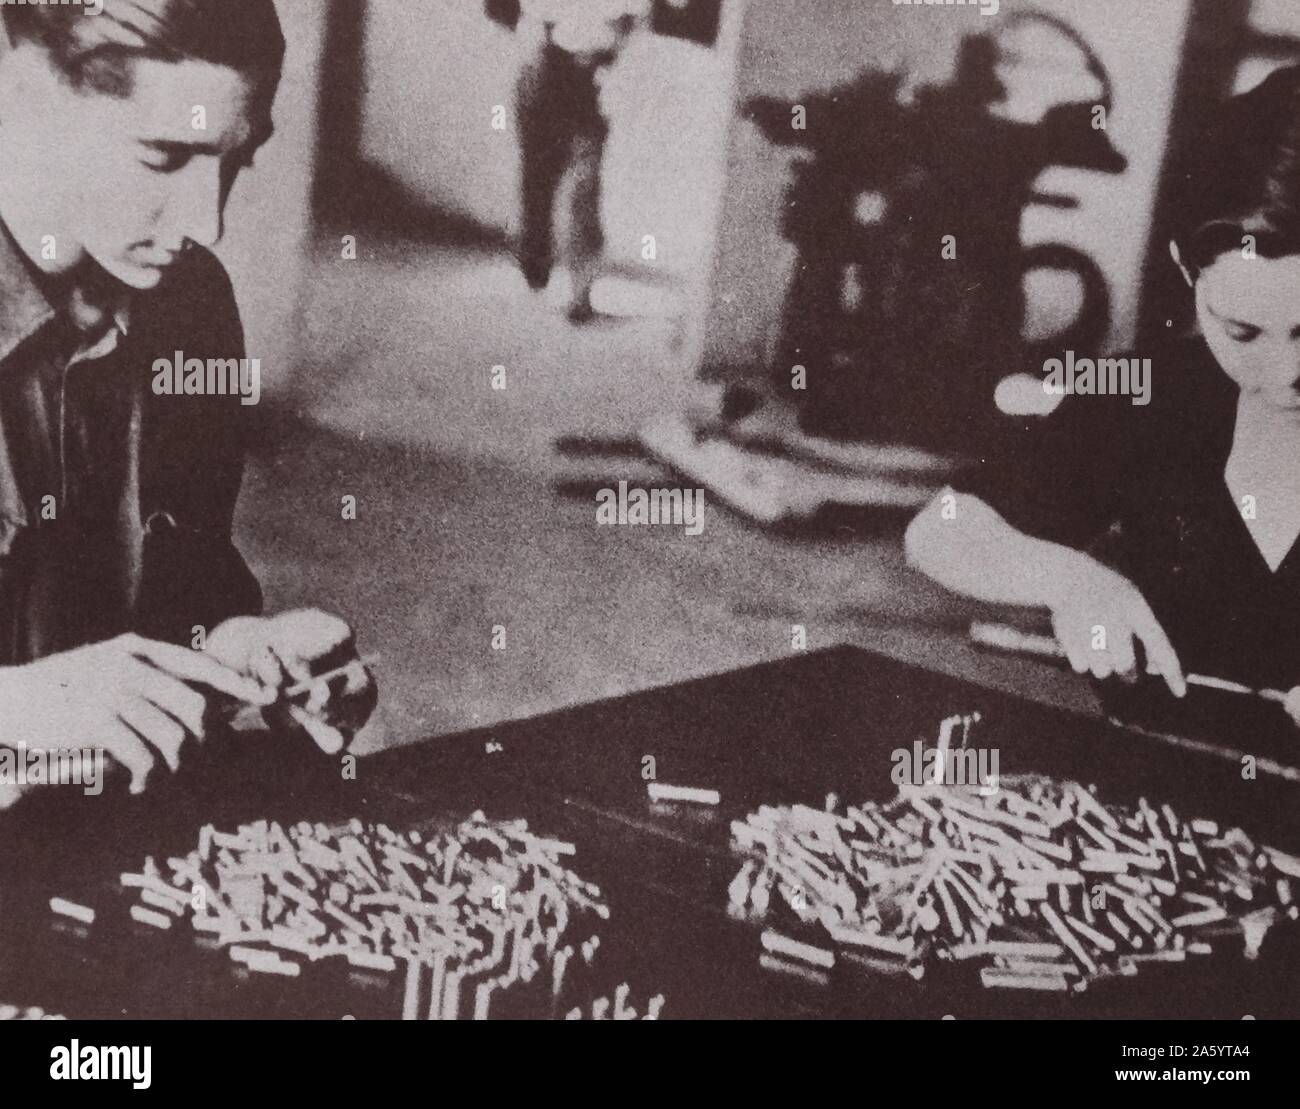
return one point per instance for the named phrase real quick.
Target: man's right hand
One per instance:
(138, 699)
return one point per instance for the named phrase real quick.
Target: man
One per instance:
(562, 128)
(122, 132)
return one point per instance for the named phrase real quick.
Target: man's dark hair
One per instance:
(1243, 177)
(94, 51)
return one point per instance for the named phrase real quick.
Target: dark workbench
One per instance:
(778, 733)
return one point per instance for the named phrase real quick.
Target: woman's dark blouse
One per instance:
(1142, 487)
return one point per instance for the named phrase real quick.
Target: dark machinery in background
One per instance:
(899, 343)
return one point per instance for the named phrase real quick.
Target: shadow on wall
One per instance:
(790, 53)
(906, 210)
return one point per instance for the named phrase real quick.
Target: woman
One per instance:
(1163, 538)
(122, 132)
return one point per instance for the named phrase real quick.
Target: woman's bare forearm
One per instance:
(964, 545)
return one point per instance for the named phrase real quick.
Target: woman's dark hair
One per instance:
(1243, 177)
(93, 50)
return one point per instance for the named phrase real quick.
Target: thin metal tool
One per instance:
(1006, 638)
(1236, 687)
(307, 686)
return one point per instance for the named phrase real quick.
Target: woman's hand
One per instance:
(290, 650)
(1099, 617)
(137, 699)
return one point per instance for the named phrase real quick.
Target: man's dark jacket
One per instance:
(144, 486)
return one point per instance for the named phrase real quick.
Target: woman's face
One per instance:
(1249, 312)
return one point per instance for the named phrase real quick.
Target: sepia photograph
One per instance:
(657, 510)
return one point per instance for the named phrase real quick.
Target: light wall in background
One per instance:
(436, 70)
(1141, 47)
(791, 48)
(269, 220)
(1280, 17)
(1272, 17)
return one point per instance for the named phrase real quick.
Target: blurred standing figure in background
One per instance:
(569, 45)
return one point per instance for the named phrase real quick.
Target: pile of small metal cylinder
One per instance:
(1037, 882)
(467, 913)
(15, 1012)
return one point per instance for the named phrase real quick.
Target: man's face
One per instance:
(129, 181)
